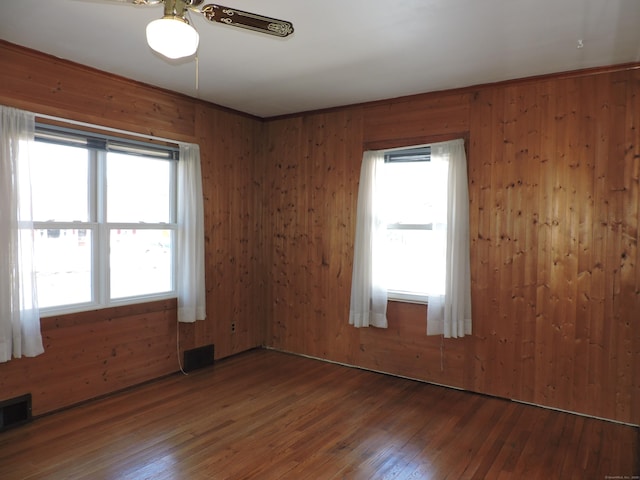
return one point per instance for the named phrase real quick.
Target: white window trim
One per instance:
(407, 297)
(400, 295)
(100, 229)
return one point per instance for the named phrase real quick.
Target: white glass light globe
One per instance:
(172, 37)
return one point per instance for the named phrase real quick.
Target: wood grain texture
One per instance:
(554, 174)
(311, 170)
(94, 353)
(44, 84)
(268, 415)
(430, 115)
(232, 214)
(554, 191)
(578, 138)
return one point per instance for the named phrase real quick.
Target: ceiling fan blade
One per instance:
(250, 21)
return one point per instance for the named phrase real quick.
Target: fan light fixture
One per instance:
(173, 37)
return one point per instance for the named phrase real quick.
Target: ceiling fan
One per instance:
(174, 37)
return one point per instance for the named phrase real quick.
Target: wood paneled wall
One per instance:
(95, 353)
(554, 172)
(229, 155)
(555, 191)
(90, 354)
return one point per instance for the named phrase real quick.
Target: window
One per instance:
(104, 214)
(415, 200)
(412, 237)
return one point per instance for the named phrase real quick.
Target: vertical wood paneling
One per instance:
(312, 170)
(632, 270)
(47, 85)
(585, 159)
(600, 283)
(553, 173)
(480, 208)
(527, 215)
(624, 230)
(417, 117)
(562, 272)
(499, 373)
(231, 184)
(574, 203)
(95, 353)
(281, 159)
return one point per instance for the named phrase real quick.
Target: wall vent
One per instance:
(198, 358)
(15, 411)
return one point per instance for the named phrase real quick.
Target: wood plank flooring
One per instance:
(269, 415)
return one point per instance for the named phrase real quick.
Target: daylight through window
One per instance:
(104, 211)
(415, 198)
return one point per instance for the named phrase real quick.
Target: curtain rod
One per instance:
(108, 129)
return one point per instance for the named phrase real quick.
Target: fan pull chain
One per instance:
(197, 75)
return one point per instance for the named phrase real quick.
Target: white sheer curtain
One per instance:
(368, 290)
(449, 312)
(190, 247)
(19, 314)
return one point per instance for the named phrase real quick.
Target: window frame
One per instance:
(98, 146)
(408, 154)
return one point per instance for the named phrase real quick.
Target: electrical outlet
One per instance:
(233, 327)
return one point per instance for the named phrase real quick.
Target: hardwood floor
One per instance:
(269, 415)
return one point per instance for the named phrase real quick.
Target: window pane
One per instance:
(416, 261)
(59, 183)
(415, 192)
(63, 266)
(140, 262)
(138, 189)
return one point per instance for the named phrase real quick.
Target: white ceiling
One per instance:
(342, 51)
